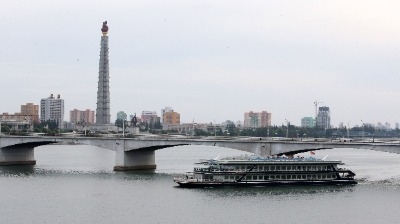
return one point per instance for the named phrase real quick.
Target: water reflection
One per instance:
(18, 171)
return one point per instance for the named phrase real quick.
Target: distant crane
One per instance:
(316, 103)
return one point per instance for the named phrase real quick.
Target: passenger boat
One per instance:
(266, 171)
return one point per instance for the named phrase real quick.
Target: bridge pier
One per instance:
(135, 160)
(17, 155)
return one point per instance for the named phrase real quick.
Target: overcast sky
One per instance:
(210, 61)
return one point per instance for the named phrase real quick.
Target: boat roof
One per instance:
(270, 160)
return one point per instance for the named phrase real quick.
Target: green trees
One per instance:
(121, 123)
(49, 127)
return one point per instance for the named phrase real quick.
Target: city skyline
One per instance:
(211, 61)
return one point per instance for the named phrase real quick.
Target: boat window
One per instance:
(289, 168)
(272, 168)
(266, 177)
(283, 177)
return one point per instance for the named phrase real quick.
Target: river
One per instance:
(76, 184)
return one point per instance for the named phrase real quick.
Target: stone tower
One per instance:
(103, 89)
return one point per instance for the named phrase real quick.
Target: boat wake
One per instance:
(371, 167)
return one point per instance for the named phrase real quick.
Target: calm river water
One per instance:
(76, 184)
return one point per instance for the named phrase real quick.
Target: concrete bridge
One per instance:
(139, 152)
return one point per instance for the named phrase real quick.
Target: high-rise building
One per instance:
(52, 109)
(257, 119)
(82, 116)
(171, 118)
(307, 122)
(166, 109)
(103, 89)
(323, 118)
(30, 112)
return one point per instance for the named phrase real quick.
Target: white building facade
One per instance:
(52, 109)
(323, 118)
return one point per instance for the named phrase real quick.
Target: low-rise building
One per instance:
(149, 117)
(307, 122)
(29, 115)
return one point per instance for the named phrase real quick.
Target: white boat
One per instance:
(265, 171)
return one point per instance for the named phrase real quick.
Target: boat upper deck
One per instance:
(268, 160)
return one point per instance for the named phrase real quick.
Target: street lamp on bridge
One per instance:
(287, 128)
(362, 129)
(123, 127)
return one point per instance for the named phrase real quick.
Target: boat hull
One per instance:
(217, 184)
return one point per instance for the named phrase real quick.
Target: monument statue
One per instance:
(134, 121)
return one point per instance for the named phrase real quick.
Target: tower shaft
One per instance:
(103, 89)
